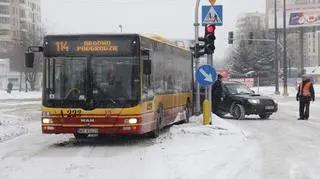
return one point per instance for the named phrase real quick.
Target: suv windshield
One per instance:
(238, 88)
(102, 81)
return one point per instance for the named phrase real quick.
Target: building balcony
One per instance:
(4, 15)
(4, 3)
(5, 26)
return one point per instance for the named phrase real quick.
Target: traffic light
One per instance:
(250, 37)
(209, 38)
(206, 43)
(230, 37)
(198, 49)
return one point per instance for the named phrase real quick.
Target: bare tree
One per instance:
(17, 56)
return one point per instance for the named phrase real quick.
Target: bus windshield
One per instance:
(94, 81)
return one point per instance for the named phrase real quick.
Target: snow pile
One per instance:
(270, 90)
(13, 123)
(11, 126)
(292, 90)
(195, 127)
(34, 95)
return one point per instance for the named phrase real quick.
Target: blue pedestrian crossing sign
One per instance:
(206, 75)
(212, 15)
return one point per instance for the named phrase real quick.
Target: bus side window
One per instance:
(147, 79)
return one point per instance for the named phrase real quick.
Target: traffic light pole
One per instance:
(210, 62)
(196, 41)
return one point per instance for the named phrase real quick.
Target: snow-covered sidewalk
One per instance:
(16, 95)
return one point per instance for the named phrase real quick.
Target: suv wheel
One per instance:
(238, 112)
(264, 116)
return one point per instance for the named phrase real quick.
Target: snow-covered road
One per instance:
(281, 147)
(290, 148)
(184, 151)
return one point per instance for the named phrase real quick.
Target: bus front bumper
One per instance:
(115, 129)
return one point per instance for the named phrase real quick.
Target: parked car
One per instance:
(239, 101)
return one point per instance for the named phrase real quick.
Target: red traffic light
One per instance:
(211, 28)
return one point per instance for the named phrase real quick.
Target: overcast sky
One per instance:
(169, 18)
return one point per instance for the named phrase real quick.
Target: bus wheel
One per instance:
(188, 112)
(80, 136)
(155, 133)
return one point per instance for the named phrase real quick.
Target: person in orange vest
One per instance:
(304, 96)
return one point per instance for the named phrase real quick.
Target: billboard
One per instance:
(297, 16)
(246, 81)
(223, 72)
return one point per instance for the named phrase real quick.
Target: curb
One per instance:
(20, 100)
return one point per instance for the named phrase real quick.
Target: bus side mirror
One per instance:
(29, 59)
(147, 67)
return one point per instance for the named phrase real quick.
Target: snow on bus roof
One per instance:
(162, 39)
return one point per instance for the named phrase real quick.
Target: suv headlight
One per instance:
(254, 101)
(275, 101)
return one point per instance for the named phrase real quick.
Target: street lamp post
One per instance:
(120, 26)
(276, 60)
(285, 87)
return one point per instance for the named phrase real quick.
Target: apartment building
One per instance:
(18, 18)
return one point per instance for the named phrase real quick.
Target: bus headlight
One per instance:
(47, 121)
(131, 121)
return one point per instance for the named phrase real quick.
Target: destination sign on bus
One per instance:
(64, 46)
(97, 46)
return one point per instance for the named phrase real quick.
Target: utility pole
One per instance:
(301, 50)
(285, 87)
(276, 60)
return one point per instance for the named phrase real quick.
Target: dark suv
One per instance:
(239, 100)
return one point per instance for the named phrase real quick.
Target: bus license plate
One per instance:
(269, 107)
(88, 131)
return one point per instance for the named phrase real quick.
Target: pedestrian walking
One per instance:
(217, 94)
(304, 95)
(9, 87)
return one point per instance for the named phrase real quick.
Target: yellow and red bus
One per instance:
(113, 84)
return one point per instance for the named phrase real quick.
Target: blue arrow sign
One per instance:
(212, 15)
(206, 75)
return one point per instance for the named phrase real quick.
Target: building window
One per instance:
(23, 25)
(33, 6)
(4, 32)
(22, 13)
(23, 35)
(4, 10)
(4, 0)
(4, 44)
(4, 20)
(22, 1)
